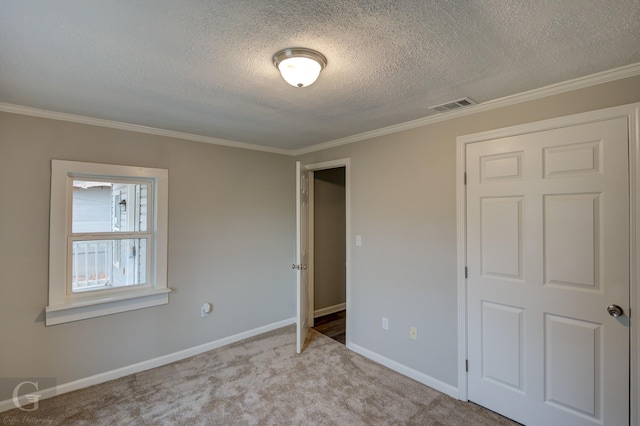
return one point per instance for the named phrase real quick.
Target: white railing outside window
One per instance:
(92, 264)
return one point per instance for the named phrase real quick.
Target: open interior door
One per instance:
(302, 255)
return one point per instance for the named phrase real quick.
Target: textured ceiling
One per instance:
(204, 66)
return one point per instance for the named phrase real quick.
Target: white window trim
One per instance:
(65, 307)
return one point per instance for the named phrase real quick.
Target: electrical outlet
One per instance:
(413, 333)
(385, 323)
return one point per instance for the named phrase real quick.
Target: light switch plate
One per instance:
(413, 333)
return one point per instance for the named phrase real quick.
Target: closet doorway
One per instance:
(328, 251)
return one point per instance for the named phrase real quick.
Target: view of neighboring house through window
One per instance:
(105, 215)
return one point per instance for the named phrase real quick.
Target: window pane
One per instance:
(109, 207)
(104, 264)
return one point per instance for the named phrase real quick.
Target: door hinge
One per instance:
(465, 178)
(466, 272)
(466, 365)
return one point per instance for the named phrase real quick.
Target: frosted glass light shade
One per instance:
(299, 72)
(299, 67)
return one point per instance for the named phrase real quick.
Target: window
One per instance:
(108, 240)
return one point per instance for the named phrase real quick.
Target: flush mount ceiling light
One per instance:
(299, 67)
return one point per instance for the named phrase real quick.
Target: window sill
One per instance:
(106, 305)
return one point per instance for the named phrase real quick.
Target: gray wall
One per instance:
(231, 242)
(403, 205)
(231, 222)
(329, 251)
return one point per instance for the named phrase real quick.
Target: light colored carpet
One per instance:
(261, 381)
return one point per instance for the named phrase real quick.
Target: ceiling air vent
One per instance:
(450, 106)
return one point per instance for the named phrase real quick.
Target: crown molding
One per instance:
(631, 70)
(73, 118)
(554, 89)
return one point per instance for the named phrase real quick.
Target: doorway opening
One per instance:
(328, 280)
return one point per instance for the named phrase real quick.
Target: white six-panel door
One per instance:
(547, 253)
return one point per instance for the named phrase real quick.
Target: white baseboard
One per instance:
(425, 379)
(329, 310)
(152, 363)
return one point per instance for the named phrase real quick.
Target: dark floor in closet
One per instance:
(332, 325)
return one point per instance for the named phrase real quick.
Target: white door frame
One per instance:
(632, 113)
(343, 162)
